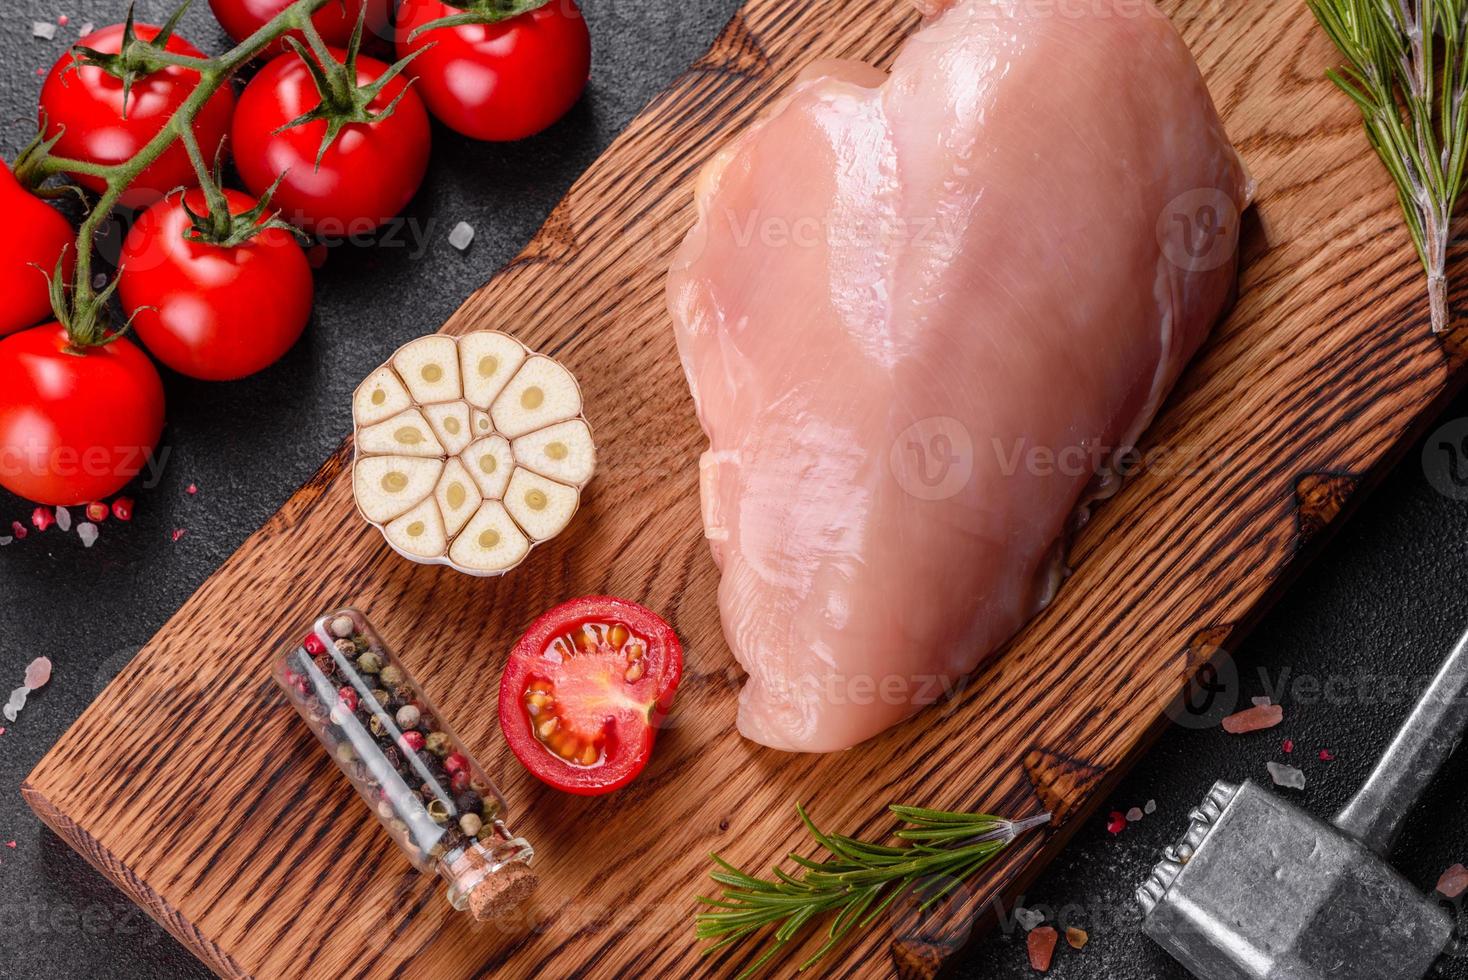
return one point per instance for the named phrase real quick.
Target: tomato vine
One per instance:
(82, 305)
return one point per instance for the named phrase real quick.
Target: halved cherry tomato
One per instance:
(33, 241)
(585, 691)
(85, 105)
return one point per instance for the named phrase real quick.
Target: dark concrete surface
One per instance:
(1387, 598)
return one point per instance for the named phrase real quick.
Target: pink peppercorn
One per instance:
(313, 645)
(411, 741)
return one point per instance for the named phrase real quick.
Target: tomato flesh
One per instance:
(585, 691)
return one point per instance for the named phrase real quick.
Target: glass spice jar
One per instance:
(413, 772)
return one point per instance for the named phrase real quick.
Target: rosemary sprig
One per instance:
(1407, 70)
(858, 882)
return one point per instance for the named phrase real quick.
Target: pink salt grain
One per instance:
(38, 674)
(1255, 719)
(1454, 882)
(178, 532)
(1326, 755)
(1288, 746)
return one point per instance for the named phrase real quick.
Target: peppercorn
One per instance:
(342, 626)
(381, 696)
(392, 675)
(438, 810)
(345, 754)
(391, 757)
(346, 647)
(397, 827)
(348, 698)
(378, 727)
(459, 781)
(432, 765)
(369, 663)
(411, 741)
(325, 664)
(408, 717)
(456, 762)
(438, 743)
(313, 645)
(316, 712)
(468, 802)
(385, 810)
(471, 824)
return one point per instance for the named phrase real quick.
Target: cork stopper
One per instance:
(502, 892)
(491, 881)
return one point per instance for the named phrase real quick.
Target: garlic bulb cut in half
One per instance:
(470, 451)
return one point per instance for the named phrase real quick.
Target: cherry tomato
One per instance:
(86, 102)
(210, 312)
(34, 238)
(585, 690)
(75, 424)
(368, 175)
(501, 81)
(241, 18)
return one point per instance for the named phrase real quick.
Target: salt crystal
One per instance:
(1454, 882)
(87, 28)
(43, 30)
(1029, 918)
(1263, 702)
(16, 702)
(38, 673)
(5, 539)
(63, 518)
(1134, 814)
(462, 235)
(1287, 776)
(1077, 937)
(87, 531)
(1040, 944)
(1150, 808)
(1254, 719)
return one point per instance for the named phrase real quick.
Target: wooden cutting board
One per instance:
(192, 786)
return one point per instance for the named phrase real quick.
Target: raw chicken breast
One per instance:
(919, 314)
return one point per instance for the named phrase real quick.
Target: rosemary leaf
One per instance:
(1407, 72)
(857, 882)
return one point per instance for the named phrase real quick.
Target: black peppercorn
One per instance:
(469, 802)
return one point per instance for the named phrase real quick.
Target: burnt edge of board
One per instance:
(130, 884)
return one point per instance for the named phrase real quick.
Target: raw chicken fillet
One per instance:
(920, 313)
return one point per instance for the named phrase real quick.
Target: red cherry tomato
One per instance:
(501, 81)
(210, 312)
(34, 238)
(367, 176)
(585, 690)
(86, 103)
(241, 18)
(75, 425)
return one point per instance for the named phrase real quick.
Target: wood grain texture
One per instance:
(191, 784)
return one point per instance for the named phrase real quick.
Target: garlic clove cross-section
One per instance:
(470, 450)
